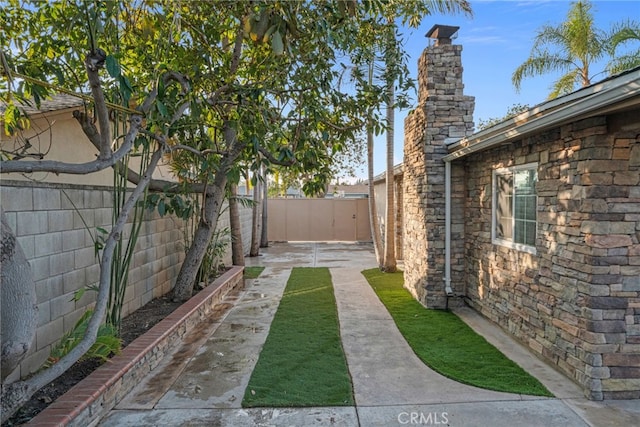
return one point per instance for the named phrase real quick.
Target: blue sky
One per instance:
(495, 41)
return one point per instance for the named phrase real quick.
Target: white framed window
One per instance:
(514, 207)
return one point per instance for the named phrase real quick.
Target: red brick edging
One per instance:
(92, 398)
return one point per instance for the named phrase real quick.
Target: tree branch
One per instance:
(88, 127)
(58, 167)
(23, 390)
(275, 161)
(166, 186)
(94, 61)
(194, 150)
(166, 78)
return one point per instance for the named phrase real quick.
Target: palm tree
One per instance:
(390, 56)
(579, 44)
(389, 259)
(373, 212)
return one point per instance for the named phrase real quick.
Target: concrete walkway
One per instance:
(391, 385)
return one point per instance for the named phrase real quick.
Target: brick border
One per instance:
(92, 398)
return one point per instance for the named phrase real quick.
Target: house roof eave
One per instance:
(57, 103)
(576, 105)
(397, 170)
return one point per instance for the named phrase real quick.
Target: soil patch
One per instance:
(134, 325)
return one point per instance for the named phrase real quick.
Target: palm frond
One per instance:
(415, 10)
(625, 62)
(549, 36)
(565, 84)
(623, 33)
(543, 62)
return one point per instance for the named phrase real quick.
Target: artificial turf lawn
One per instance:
(252, 272)
(447, 344)
(302, 362)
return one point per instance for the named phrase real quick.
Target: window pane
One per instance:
(516, 206)
(519, 231)
(525, 232)
(530, 234)
(503, 228)
(504, 210)
(525, 201)
(530, 209)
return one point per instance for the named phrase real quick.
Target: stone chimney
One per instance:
(443, 114)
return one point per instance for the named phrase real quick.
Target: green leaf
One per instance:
(77, 295)
(277, 44)
(113, 68)
(162, 209)
(162, 108)
(125, 88)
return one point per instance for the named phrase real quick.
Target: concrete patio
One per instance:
(391, 385)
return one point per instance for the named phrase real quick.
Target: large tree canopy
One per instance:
(215, 85)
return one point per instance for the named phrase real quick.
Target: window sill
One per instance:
(517, 246)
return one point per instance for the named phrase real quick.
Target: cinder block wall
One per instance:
(576, 302)
(56, 224)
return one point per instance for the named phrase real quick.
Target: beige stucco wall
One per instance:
(380, 190)
(59, 137)
(319, 220)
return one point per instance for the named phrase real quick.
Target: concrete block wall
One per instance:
(576, 301)
(56, 226)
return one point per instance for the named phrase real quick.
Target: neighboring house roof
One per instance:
(350, 188)
(615, 93)
(397, 170)
(56, 102)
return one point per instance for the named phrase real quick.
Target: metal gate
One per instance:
(318, 220)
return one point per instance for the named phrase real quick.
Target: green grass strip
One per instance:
(448, 345)
(302, 362)
(252, 272)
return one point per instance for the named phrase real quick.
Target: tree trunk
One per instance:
(202, 237)
(237, 249)
(185, 281)
(264, 238)
(16, 394)
(18, 318)
(389, 262)
(373, 210)
(255, 219)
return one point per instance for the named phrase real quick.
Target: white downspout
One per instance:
(447, 228)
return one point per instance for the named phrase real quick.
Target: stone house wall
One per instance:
(54, 224)
(576, 302)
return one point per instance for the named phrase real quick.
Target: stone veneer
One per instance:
(443, 113)
(55, 225)
(576, 302)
